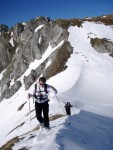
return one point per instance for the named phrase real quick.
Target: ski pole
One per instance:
(59, 103)
(68, 120)
(72, 111)
(29, 114)
(62, 108)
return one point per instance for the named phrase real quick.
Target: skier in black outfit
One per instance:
(68, 108)
(40, 94)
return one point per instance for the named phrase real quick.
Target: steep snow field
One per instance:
(87, 83)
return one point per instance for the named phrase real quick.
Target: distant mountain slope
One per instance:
(74, 55)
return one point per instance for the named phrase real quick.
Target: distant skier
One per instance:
(68, 108)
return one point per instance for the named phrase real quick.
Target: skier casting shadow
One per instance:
(68, 108)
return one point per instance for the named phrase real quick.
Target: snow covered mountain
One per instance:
(76, 57)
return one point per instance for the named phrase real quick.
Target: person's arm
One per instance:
(52, 89)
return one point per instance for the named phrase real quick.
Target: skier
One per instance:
(40, 95)
(68, 108)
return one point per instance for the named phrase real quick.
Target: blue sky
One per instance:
(13, 11)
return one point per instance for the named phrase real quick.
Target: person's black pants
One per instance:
(68, 111)
(42, 108)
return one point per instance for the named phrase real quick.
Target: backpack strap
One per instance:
(35, 88)
(45, 88)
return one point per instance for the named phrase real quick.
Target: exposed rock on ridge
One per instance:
(24, 49)
(27, 41)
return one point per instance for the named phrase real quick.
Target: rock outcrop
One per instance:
(28, 41)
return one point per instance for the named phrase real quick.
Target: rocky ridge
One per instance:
(28, 41)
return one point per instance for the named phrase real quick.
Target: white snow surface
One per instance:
(39, 27)
(87, 83)
(11, 42)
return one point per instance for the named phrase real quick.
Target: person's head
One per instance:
(68, 103)
(42, 81)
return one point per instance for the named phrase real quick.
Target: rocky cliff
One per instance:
(26, 42)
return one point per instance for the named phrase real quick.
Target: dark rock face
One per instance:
(3, 28)
(28, 41)
(102, 46)
(7, 92)
(21, 45)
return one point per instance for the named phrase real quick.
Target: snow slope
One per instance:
(87, 83)
(93, 86)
